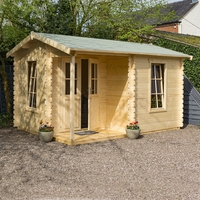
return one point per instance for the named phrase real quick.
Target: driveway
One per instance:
(158, 166)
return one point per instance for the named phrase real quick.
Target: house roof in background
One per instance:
(181, 38)
(180, 8)
(68, 44)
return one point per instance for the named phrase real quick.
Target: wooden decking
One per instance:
(104, 135)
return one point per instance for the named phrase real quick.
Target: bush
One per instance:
(5, 120)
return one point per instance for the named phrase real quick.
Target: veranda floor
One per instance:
(104, 135)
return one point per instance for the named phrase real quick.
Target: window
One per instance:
(67, 79)
(94, 78)
(32, 84)
(157, 86)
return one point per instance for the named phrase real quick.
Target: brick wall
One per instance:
(173, 28)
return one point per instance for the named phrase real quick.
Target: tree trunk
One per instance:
(6, 87)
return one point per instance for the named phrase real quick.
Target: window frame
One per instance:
(32, 85)
(94, 78)
(68, 79)
(162, 86)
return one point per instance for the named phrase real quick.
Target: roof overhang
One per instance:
(38, 37)
(88, 47)
(113, 53)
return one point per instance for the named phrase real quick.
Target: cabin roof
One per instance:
(69, 44)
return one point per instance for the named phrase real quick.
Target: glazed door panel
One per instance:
(93, 105)
(65, 90)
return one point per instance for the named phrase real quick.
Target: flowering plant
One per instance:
(45, 127)
(133, 126)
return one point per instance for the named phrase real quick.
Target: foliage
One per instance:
(109, 19)
(135, 20)
(59, 18)
(133, 126)
(45, 127)
(191, 68)
(5, 120)
(6, 86)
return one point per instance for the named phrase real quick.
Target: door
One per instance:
(65, 97)
(93, 97)
(84, 93)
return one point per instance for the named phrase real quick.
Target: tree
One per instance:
(130, 20)
(17, 19)
(134, 20)
(59, 18)
(6, 87)
(111, 19)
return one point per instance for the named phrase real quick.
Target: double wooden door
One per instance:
(86, 99)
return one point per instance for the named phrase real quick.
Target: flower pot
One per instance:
(132, 134)
(45, 136)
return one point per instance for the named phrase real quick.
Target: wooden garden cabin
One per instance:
(96, 84)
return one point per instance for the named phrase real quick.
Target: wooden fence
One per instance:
(191, 103)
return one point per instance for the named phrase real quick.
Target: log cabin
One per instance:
(78, 83)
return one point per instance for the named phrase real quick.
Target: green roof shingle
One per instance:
(67, 43)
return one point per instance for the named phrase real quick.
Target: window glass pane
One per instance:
(153, 101)
(92, 73)
(35, 88)
(34, 100)
(153, 90)
(76, 71)
(30, 100)
(158, 84)
(160, 101)
(33, 71)
(95, 87)
(92, 87)
(67, 87)
(75, 87)
(67, 70)
(152, 71)
(67, 78)
(157, 71)
(95, 71)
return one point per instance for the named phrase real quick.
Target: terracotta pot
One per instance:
(45, 136)
(132, 134)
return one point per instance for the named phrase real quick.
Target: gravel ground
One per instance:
(157, 166)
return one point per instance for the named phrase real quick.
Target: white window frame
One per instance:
(32, 85)
(159, 87)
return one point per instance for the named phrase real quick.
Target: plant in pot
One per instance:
(133, 130)
(45, 132)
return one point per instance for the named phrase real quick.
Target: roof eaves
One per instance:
(36, 36)
(20, 45)
(189, 57)
(52, 43)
